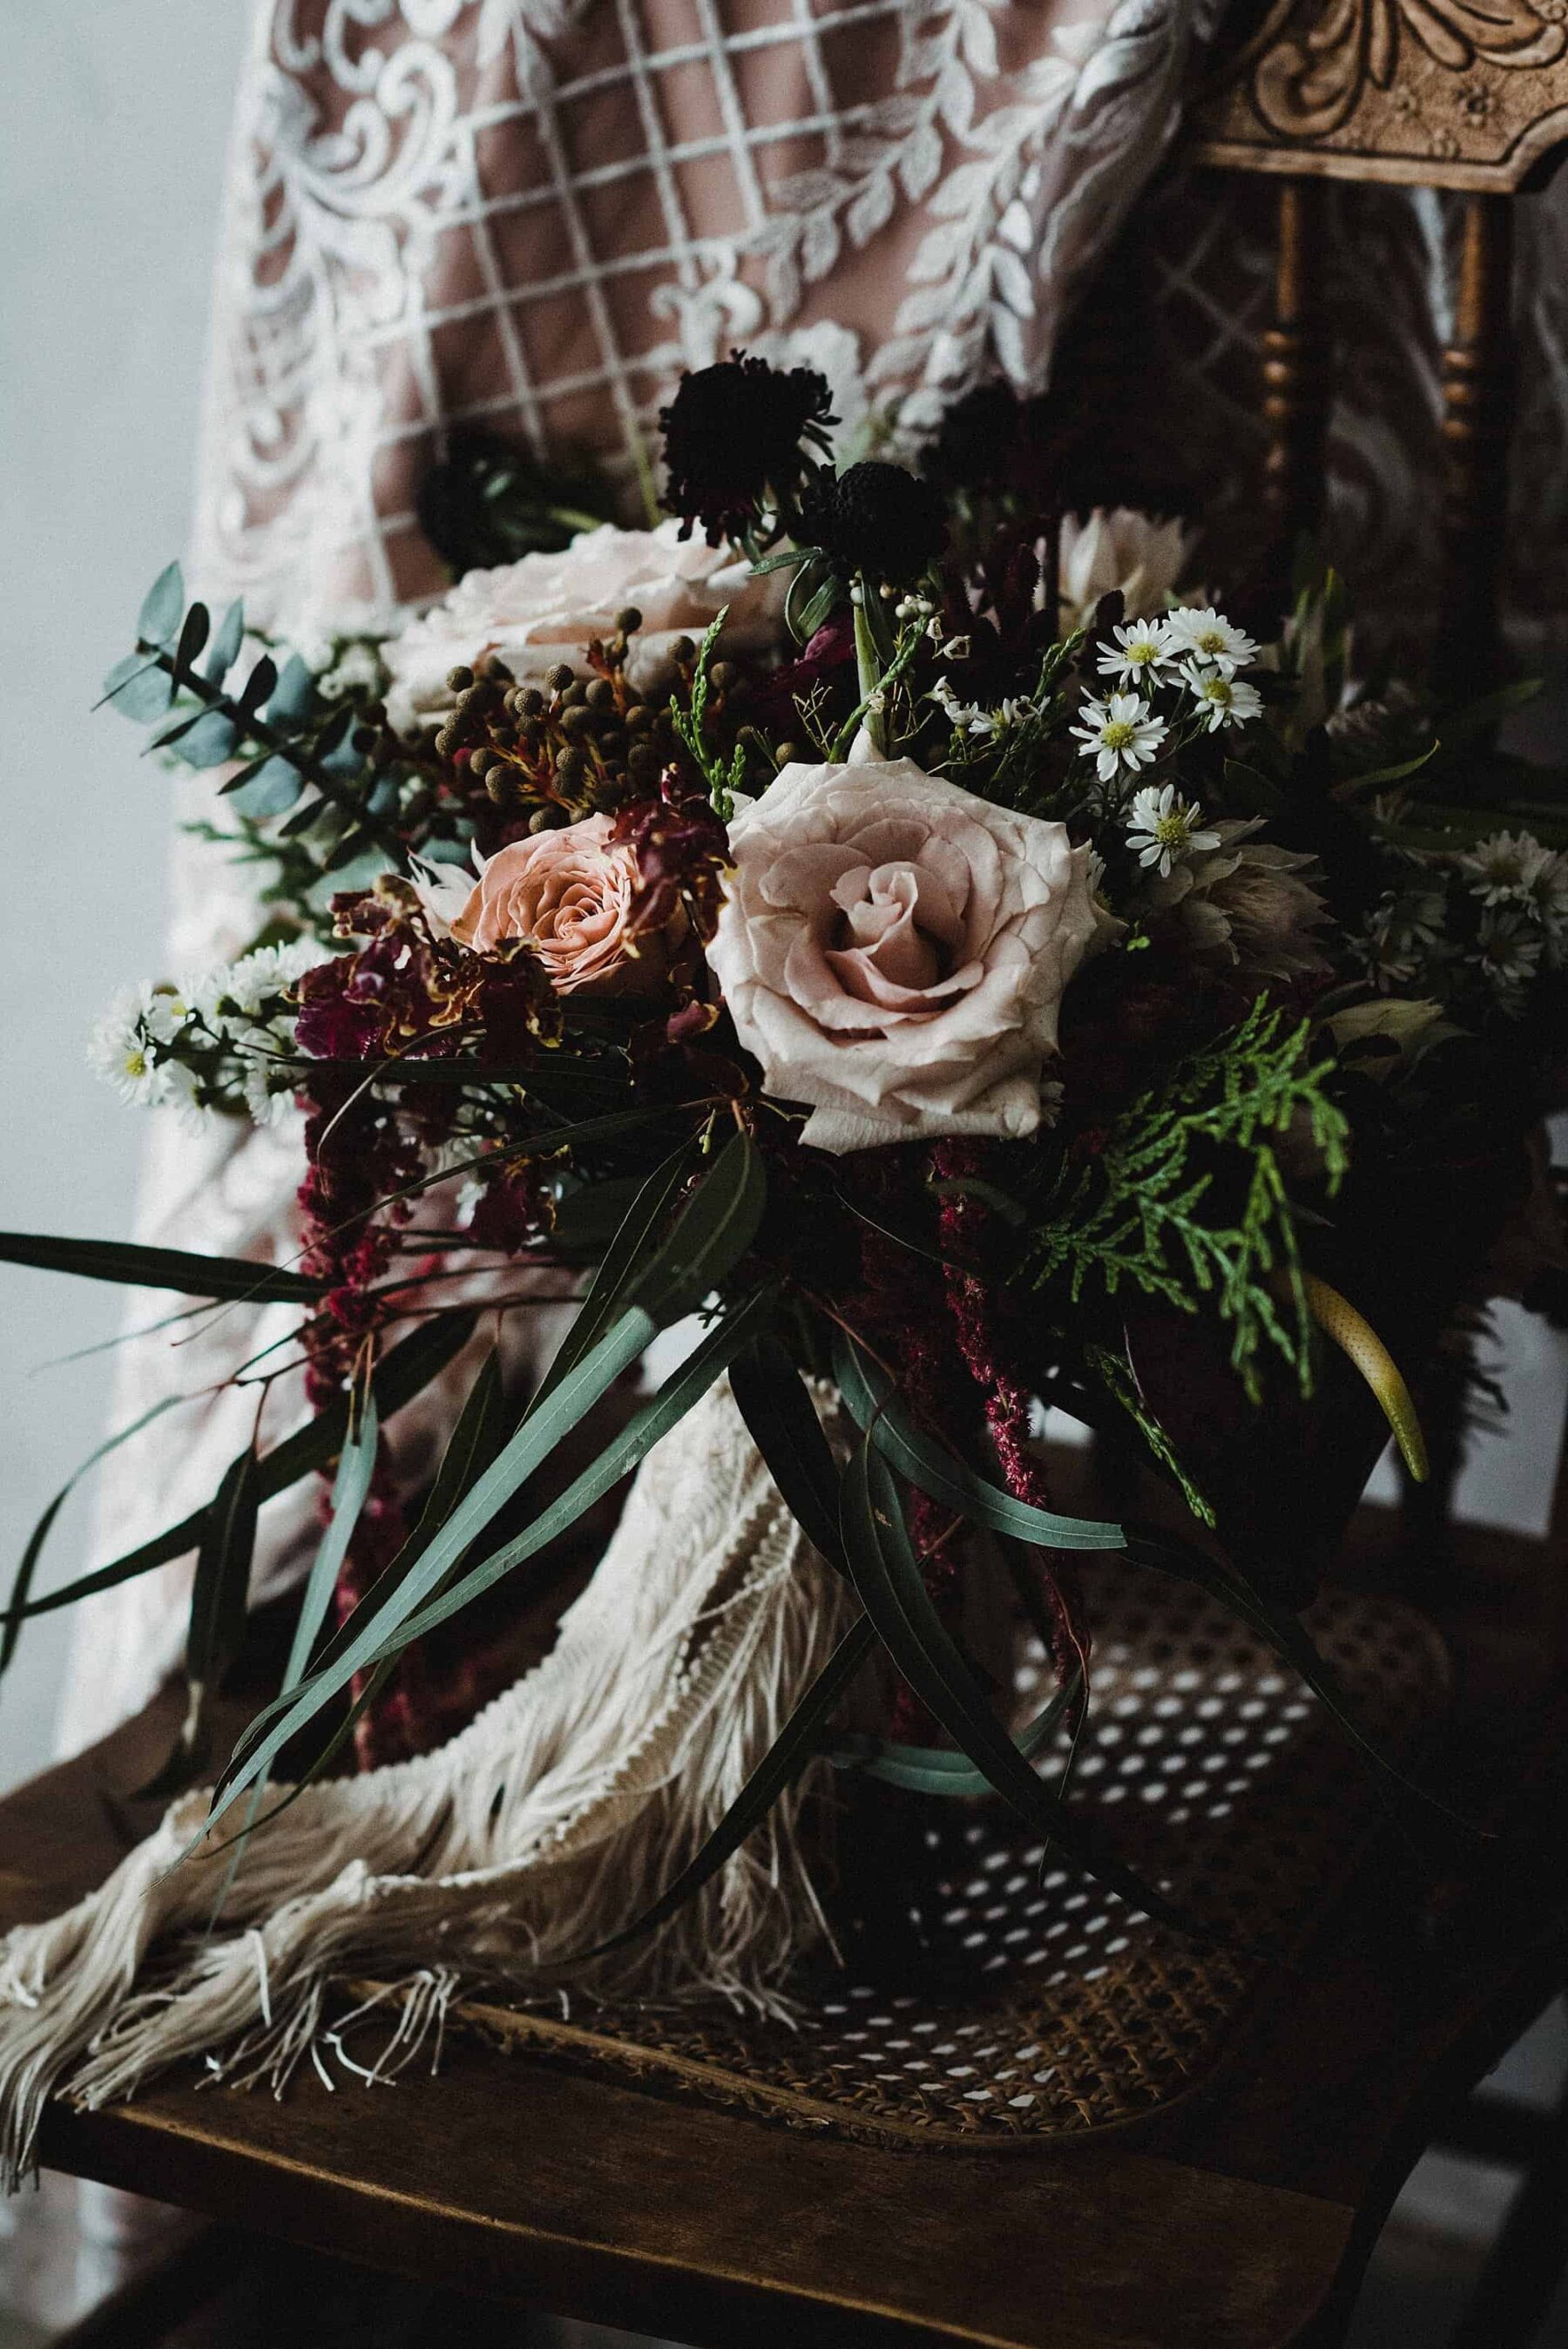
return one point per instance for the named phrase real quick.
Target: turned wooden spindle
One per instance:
(1296, 374)
(1478, 382)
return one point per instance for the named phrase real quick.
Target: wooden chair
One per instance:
(1425, 93)
(1240, 2213)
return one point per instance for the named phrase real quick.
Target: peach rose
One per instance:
(546, 608)
(568, 894)
(893, 950)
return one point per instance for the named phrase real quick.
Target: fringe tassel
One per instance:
(557, 1816)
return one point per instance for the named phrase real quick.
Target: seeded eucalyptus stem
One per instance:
(250, 722)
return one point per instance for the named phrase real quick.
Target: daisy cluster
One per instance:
(1170, 679)
(223, 1041)
(1482, 923)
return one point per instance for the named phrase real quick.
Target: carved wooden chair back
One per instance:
(1443, 94)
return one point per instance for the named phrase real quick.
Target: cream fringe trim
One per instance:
(555, 1817)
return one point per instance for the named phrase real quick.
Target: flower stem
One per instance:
(869, 668)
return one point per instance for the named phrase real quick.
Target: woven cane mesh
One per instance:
(1062, 2010)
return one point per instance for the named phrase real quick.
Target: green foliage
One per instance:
(487, 502)
(691, 729)
(1188, 1200)
(301, 760)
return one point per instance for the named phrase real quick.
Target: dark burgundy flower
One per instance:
(735, 432)
(828, 657)
(876, 518)
(339, 1019)
(682, 851)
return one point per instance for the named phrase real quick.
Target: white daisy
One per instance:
(1510, 953)
(1162, 827)
(1506, 867)
(1208, 635)
(1141, 650)
(120, 1049)
(261, 977)
(970, 718)
(1227, 701)
(1121, 733)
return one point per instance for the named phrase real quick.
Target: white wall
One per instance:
(114, 119)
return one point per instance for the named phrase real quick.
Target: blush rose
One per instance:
(894, 951)
(568, 895)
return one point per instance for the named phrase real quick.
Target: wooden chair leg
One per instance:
(1296, 381)
(1478, 379)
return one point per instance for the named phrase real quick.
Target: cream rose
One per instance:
(893, 950)
(569, 895)
(545, 608)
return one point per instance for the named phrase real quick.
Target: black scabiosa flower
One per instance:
(735, 432)
(876, 518)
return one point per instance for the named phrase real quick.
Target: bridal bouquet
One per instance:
(907, 925)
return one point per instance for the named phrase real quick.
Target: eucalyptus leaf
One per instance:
(210, 742)
(270, 787)
(157, 621)
(154, 1267)
(889, 1586)
(225, 650)
(293, 697)
(871, 1402)
(140, 688)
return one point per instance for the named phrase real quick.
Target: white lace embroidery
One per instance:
(421, 185)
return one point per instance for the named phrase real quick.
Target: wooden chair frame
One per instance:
(1428, 93)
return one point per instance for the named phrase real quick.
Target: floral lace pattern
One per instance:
(536, 212)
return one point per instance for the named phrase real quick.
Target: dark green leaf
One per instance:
(151, 1268)
(217, 1627)
(258, 685)
(350, 1491)
(405, 1372)
(22, 1586)
(192, 636)
(872, 1403)
(383, 1625)
(933, 1769)
(309, 812)
(628, 1254)
(781, 1418)
(888, 1581)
